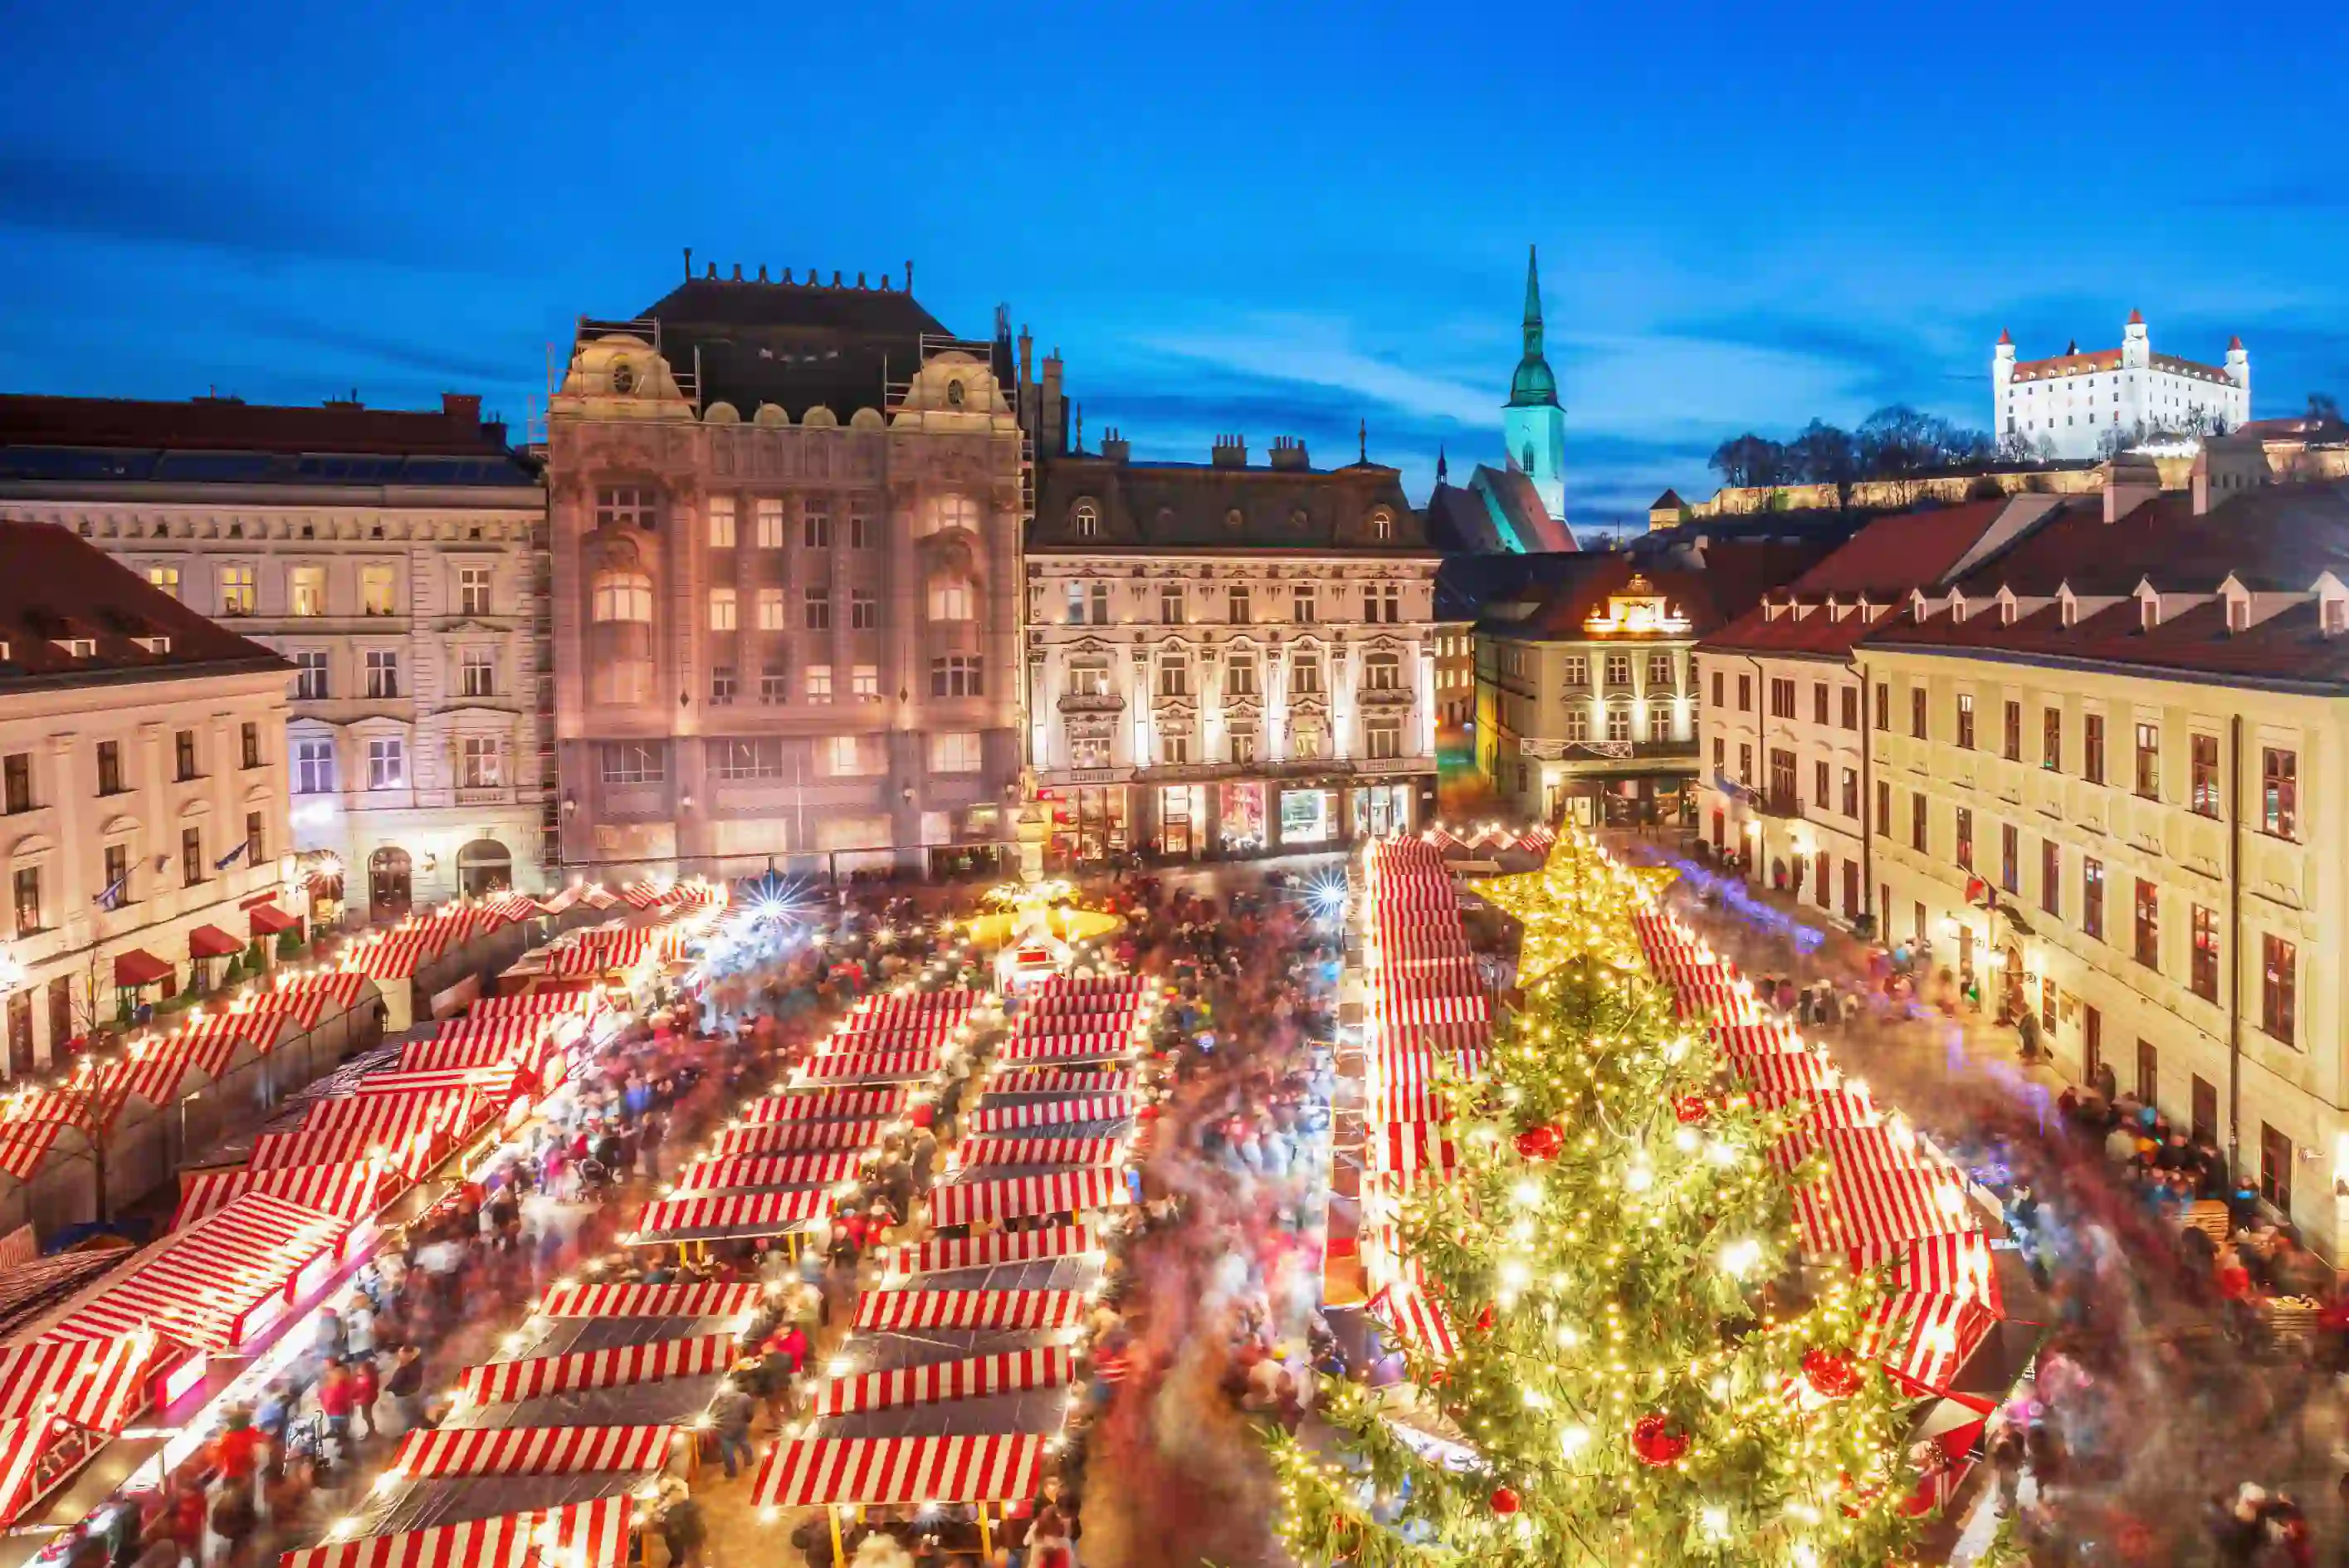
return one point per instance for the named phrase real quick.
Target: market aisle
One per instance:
(1177, 1476)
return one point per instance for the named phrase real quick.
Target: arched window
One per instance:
(1383, 525)
(950, 600)
(622, 595)
(1084, 520)
(1528, 465)
(483, 866)
(951, 511)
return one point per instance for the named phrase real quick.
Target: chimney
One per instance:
(1115, 447)
(462, 408)
(2130, 480)
(1229, 452)
(1054, 422)
(1287, 454)
(2226, 466)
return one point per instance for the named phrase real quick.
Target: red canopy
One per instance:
(138, 967)
(268, 920)
(210, 943)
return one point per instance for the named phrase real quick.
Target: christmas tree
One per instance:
(1639, 1377)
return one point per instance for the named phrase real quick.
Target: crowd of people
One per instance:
(2165, 1372)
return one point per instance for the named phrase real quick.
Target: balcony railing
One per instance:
(1091, 703)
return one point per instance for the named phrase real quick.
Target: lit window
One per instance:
(844, 756)
(622, 597)
(721, 522)
(168, 579)
(770, 610)
(771, 523)
(306, 591)
(237, 590)
(955, 752)
(865, 683)
(377, 591)
(479, 762)
(818, 682)
(1084, 520)
(387, 765)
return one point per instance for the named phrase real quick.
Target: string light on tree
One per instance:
(1636, 1373)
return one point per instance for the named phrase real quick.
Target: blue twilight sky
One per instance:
(1265, 219)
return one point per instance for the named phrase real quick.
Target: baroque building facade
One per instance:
(1227, 659)
(142, 794)
(394, 557)
(785, 530)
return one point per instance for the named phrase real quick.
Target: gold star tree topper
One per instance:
(1565, 905)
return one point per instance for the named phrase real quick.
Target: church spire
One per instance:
(1533, 386)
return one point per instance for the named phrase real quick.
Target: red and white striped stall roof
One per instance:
(915, 1063)
(932, 1037)
(1790, 1072)
(350, 1191)
(22, 1444)
(341, 987)
(1925, 1340)
(1416, 1150)
(813, 1472)
(504, 1382)
(98, 1387)
(542, 1003)
(1848, 1106)
(1756, 1039)
(573, 1298)
(26, 1141)
(891, 1311)
(1407, 1103)
(914, 1004)
(1092, 985)
(1434, 1009)
(1056, 1192)
(974, 1378)
(1420, 1064)
(593, 1534)
(644, 894)
(997, 1247)
(299, 1010)
(532, 1452)
(398, 954)
(1465, 1034)
(199, 1287)
(1881, 1146)
(1411, 1314)
(429, 1081)
(1066, 1047)
(595, 896)
(998, 1150)
(822, 1104)
(1051, 1112)
(767, 1170)
(787, 1137)
(746, 1212)
(1010, 1080)
(1959, 1265)
(1862, 1206)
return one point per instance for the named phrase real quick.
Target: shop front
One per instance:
(1376, 810)
(1089, 823)
(1309, 818)
(1240, 825)
(1182, 821)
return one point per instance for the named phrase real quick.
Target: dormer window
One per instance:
(1383, 525)
(1084, 520)
(2067, 610)
(154, 644)
(1919, 610)
(2238, 614)
(2335, 613)
(2148, 612)
(1957, 611)
(623, 379)
(78, 646)
(2006, 610)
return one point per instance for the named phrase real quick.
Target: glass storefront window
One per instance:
(1175, 819)
(1381, 809)
(1241, 809)
(1089, 824)
(1307, 816)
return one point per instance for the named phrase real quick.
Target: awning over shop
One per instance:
(999, 1247)
(571, 1299)
(138, 967)
(938, 1382)
(710, 1215)
(532, 1452)
(1059, 1192)
(576, 1535)
(212, 942)
(502, 1382)
(823, 1470)
(268, 920)
(895, 1310)
(738, 1170)
(206, 1283)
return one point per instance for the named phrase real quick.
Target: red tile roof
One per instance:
(1882, 562)
(2276, 540)
(55, 585)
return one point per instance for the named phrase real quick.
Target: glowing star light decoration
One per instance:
(1565, 907)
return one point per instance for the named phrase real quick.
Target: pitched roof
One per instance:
(1670, 501)
(57, 586)
(1209, 508)
(1709, 586)
(799, 345)
(1498, 511)
(2279, 539)
(228, 441)
(1887, 558)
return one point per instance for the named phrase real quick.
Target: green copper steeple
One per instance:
(1533, 385)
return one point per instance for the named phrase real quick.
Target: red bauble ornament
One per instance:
(1504, 1502)
(1691, 1110)
(1831, 1377)
(1657, 1441)
(1541, 1143)
(1485, 1319)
